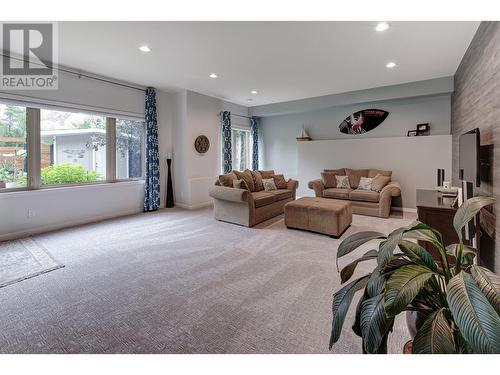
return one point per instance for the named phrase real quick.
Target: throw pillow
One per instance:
(279, 181)
(338, 172)
(379, 182)
(365, 183)
(329, 180)
(247, 176)
(355, 175)
(257, 180)
(227, 179)
(269, 184)
(267, 174)
(240, 184)
(342, 182)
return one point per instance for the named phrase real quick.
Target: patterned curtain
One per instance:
(152, 186)
(226, 142)
(254, 124)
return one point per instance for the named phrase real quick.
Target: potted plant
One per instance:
(458, 305)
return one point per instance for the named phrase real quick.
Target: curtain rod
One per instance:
(79, 75)
(234, 114)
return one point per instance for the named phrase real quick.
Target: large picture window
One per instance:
(13, 147)
(129, 149)
(73, 148)
(41, 147)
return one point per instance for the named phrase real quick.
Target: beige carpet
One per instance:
(178, 281)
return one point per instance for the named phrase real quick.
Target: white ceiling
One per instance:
(282, 60)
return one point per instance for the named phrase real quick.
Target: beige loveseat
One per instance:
(363, 202)
(247, 207)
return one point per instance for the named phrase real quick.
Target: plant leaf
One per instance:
(356, 326)
(387, 247)
(376, 283)
(468, 210)
(468, 253)
(374, 323)
(348, 270)
(489, 283)
(435, 336)
(475, 317)
(354, 241)
(341, 302)
(416, 252)
(403, 286)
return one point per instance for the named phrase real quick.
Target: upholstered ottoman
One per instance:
(323, 215)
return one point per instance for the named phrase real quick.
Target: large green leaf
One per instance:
(435, 336)
(374, 323)
(468, 253)
(489, 283)
(477, 320)
(468, 210)
(387, 247)
(403, 286)
(416, 252)
(341, 302)
(354, 241)
(356, 326)
(376, 283)
(348, 270)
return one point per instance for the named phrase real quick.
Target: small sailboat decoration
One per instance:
(303, 135)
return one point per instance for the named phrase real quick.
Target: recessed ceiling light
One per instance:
(382, 26)
(144, 48)
(390, 65)
(213, 75)
(254, 92)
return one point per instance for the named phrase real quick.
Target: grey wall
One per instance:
(411, 167)
(279, 149)
(476, 104)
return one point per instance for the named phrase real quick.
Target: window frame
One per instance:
(33, 147)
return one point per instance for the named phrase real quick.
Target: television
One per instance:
(469, 162)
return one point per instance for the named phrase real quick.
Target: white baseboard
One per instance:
(73, 223)
(194, 206)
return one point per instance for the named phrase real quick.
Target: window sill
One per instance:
(52, 188)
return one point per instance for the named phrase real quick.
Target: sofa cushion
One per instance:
(279, 181)
(267, 174)
(227, 179)
(338, 172)
(342, 182)
(262, 198)
(355, 175)
(379, 181)
(257, 180)
(269, 184)
(365, 183)
(247, 176)
(281, 194)
(240, 184)
(328, 179)
(373, 172)
(364, 195)
(336, 193)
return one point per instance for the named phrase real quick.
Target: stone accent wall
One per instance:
(476, 104)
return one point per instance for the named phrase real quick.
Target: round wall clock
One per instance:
(201, 144)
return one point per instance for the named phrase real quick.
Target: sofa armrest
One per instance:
(386, 194)
(317, 186)
(393, 189)
(229, 194)
(292, 184)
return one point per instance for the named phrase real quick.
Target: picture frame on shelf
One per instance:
(423, 129)
(412, 133)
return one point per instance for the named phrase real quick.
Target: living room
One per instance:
(281, 186)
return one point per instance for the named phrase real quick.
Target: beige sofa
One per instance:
(248, 208)
(363, 202)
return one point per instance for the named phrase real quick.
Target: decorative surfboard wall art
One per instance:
(363, 121)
